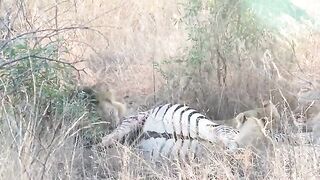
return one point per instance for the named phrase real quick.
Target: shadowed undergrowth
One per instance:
(216, 57)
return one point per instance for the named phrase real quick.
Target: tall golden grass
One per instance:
(121, 42)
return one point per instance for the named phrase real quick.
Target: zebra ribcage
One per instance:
(155, 148)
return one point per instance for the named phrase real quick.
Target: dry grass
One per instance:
(120, 41)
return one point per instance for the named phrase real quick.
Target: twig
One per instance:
(54, 30)
(40, 57)
(47, 59)
(107, 12)
(13, 61)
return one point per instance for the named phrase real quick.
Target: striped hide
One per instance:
(172, 130)
(175, 130)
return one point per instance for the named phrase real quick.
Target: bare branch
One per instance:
(3, 65)
(53, 30)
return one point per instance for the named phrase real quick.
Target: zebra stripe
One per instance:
(157, 124)
(180, 120)
(177, 115)
(168, 116)
(185, 121)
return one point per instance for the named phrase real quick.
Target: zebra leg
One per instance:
(128, 125)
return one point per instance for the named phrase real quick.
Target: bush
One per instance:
(232, 63)
(42, 109)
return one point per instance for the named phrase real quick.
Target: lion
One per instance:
(108, 107)
(268, 110)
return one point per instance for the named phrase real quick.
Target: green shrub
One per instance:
(231, 63)
(40, 89)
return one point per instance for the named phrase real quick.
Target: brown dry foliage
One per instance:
(119, 42)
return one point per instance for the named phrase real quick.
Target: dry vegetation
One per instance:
(210, 55)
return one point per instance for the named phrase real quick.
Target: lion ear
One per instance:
(241, 118)
(266, 103)
(264, 121)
